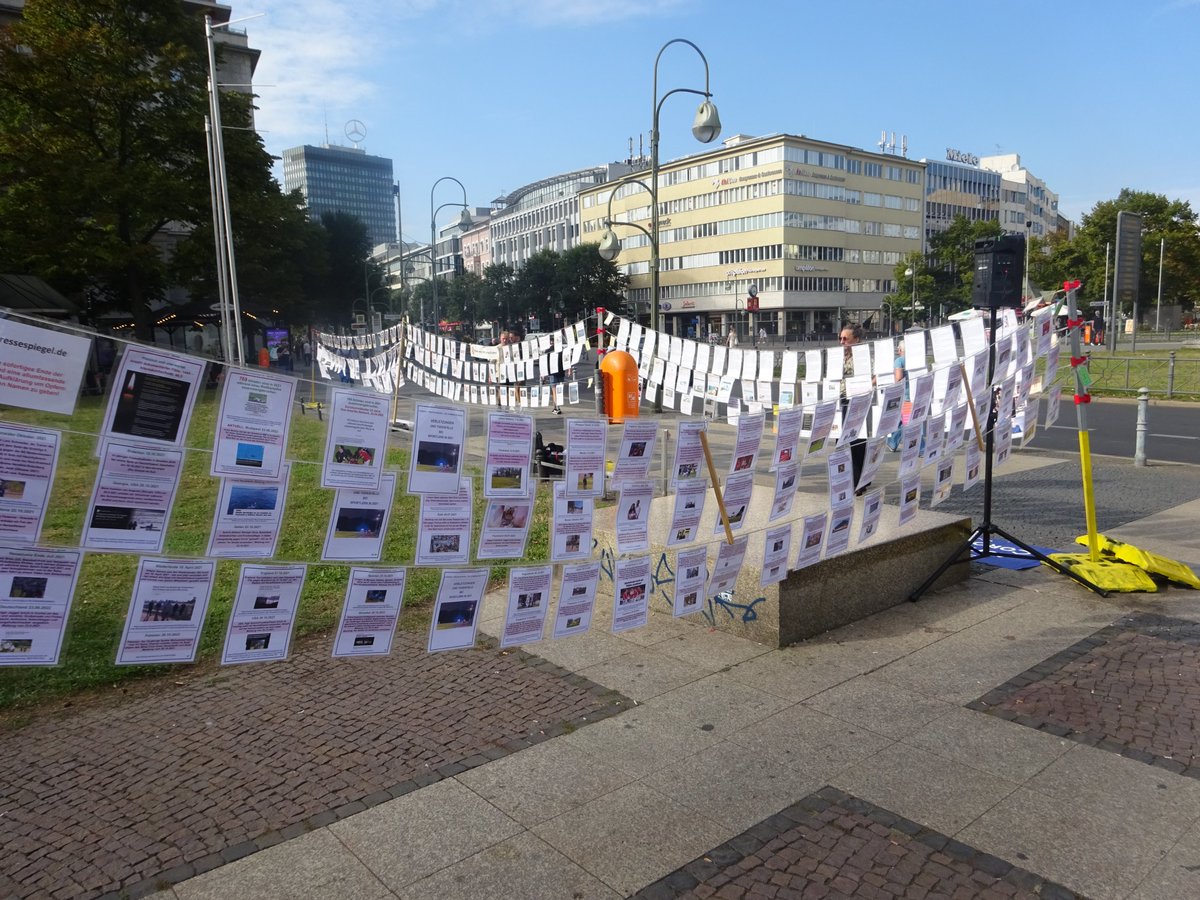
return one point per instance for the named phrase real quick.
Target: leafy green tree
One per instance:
(537, 288)
(497, 294)
(349, 248)
(587, 280)
(101, 144)
(952, 262)
(1162, 219)
(899, 306)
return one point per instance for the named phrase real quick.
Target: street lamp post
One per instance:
(706, 126)
(464, 220)
(913, 272)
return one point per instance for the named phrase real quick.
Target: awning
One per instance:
(28, 294)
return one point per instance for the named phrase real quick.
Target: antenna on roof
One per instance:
(327, 124)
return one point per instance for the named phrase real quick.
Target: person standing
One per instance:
(731, 339)
(849, 336)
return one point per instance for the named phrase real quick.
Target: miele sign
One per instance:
(958, 156)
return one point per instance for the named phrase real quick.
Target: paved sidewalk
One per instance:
(1010, 736)
(213, 767)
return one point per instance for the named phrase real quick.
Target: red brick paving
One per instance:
(121, 795)
(832, 845)
(1132, 688)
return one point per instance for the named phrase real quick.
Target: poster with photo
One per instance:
(689, 465)
(439, 449)
(370, 612)
(248, 516)
(872, 509)
(584, 459)
(971, 465)
(787, 478)
(911, 437)
(36, 587)
(730, 558)
(152, 397)
(921, 390)
(691, 574)
(957, 431)
(356, 445)
(132, 498)
(747, 443)
(634, 500)
(891, 408)
(253, 423)
(631, 593)
(739, 488)
(935, 438)
(787, 437)
(910, 497)
(167, 610)
(840, 519)
(1003, 440)
(812, 539)
(873, 455)
(359, 521)
(854, 422)
(576, 599)
(444, 528)
(777, 548)
(823, 414)
(41, 368)
(509, 455)
(456, 612)
(570, 526)
(528, 603)
(942, 482)
(264, 611)
(841, 477)
(1053, 404)
(635, 452)
(28, 461)
(686, 513)
(505, 530)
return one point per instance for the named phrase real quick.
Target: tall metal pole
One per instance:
(219, 244)
(1162, 248)
(214, 103)
(1110, 311)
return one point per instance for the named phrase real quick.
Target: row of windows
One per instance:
(767, 253)
(810, 221)
(792, 283)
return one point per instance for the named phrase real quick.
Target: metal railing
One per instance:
(1166, 376)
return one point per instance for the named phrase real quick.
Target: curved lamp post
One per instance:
(464, 221)
(706, 126)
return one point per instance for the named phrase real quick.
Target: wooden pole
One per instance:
(716, 486)
(971, 406)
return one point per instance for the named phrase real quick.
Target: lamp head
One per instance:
(707, 124)
(610, 245)
(464, 218)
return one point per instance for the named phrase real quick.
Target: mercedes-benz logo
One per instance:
(356, 131)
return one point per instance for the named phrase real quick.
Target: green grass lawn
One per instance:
(106, 579)
(1123, 373)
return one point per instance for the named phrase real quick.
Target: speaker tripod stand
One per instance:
(987, 529)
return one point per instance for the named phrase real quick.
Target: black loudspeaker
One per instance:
(999, 263)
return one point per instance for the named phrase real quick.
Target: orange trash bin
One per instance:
(264, 357)
(619, 377)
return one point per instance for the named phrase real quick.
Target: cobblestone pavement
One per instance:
(1132, 688)
(832, 845)
(123, 794)
(1045, 505)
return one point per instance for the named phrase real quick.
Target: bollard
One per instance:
(1139, 451)
(1170, 374)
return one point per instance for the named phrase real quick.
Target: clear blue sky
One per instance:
(1094, 96)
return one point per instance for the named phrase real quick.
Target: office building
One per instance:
(815, 228)
(959, 188)
(544, 215)
(1026, 203)
(346, 180)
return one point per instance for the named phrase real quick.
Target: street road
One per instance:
(1173, 429)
